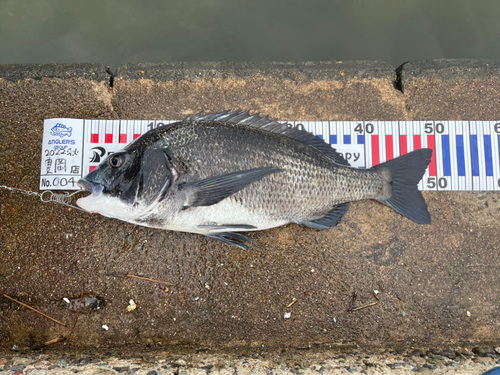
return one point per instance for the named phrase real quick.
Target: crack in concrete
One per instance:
(111, 76)
(398, 83)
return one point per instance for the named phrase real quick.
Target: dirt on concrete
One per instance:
(416, 285)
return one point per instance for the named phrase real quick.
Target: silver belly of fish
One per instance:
(218, 218)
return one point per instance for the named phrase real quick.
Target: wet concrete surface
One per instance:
(427, 285)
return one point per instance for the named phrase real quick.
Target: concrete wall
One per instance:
(429, 277)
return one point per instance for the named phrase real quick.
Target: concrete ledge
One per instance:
(428, 277)
(312, 70)
(291, 91)
(451, 89)
(449, 69)
(16, 72)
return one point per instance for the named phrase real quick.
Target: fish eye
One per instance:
(116, 160)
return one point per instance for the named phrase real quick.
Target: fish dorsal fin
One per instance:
(273, 126)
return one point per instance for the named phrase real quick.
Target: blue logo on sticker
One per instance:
(61, 130)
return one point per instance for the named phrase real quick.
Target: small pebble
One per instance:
(439, 357)
(63, 362)
(18, 368)
(20, 361)
(424, 371)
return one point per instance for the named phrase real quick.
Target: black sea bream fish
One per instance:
(230, 172)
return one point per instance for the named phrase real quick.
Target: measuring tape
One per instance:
(466, 153)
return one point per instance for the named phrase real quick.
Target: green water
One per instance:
(117, 32)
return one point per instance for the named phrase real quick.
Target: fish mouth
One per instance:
(90, 186)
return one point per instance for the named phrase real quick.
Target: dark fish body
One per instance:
(229, 172)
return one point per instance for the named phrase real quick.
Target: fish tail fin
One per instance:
(400, 192)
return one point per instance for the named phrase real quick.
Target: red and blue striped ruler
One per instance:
(466, 153)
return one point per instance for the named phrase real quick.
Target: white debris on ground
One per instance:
(131, 305)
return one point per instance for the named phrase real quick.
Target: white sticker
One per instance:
(62, 153)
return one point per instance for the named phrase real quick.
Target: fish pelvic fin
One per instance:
(400, 191)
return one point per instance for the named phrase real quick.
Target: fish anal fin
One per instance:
(331, 219)
(212, 190)
(231, 238)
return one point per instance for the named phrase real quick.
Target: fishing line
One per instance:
(48, 196)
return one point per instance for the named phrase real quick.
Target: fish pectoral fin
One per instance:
(225, 227)
(231, 239)
(331, 219)
(214, 189)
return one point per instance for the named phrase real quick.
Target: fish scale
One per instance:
(315, 183)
